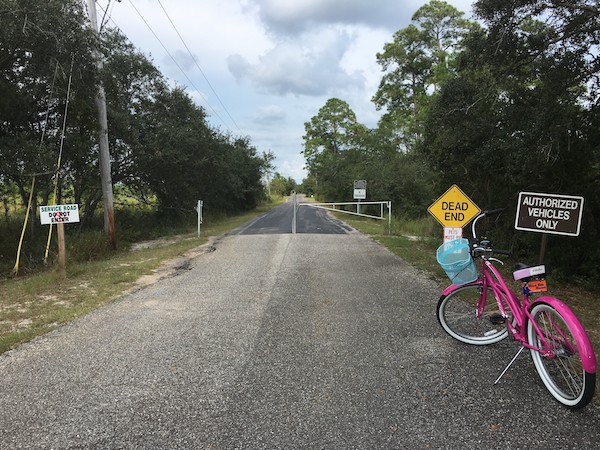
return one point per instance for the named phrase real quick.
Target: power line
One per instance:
(176, 63)
(198, 66)
(172, 58)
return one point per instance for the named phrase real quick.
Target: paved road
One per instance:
(278, 341)
(308, 220)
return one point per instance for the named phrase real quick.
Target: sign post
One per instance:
(360, 192)
(549, 214)
(453, 210)
(59, 215)
(62, 253)
(199, 211)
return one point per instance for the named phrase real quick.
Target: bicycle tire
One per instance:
(563, 375)
(456, 313)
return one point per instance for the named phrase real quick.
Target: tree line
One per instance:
(505, 103)
(164, 152)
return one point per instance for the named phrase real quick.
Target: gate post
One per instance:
(294, 219)
(389, 205)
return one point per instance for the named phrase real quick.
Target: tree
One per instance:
(133, 84)
(519, 100)
(330, 137)
(415, 64)
(443, 28)
(281, 185)
(39, 42)
(521, 114)
(162, 147)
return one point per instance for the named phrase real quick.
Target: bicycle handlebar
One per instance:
(491, 212)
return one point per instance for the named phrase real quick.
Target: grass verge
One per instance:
(35, 304)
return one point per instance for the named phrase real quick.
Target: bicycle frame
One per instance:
(508, 301)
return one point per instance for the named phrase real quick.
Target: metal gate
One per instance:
(333, 207)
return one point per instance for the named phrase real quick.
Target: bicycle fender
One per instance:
(454, 287)
(588, 357)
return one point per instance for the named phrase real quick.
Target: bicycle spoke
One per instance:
(558, 361)
(473, 318)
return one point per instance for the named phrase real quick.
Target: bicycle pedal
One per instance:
(497, 319)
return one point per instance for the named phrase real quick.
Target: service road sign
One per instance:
(59, 214)
(549, 213)
(454, 209)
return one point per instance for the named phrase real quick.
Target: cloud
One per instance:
(183, 60)
(272, 63)
(293, 167)
(293, 16)
(269, 114)
(308, 67)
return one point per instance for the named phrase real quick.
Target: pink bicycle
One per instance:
(482, 309)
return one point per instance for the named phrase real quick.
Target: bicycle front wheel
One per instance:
(457, 314)
(561, 372)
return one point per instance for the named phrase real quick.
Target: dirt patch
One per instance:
(161, 242)
(173, 267)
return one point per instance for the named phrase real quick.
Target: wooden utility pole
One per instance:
(103, 152)
(62, 254)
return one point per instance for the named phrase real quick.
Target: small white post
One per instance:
(199, 210)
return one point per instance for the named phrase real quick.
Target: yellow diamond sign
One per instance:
(454, 208)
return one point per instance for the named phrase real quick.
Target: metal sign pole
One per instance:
(199, 210)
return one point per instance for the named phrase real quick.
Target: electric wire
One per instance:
(33, 176)
(198, 66)
(175, 61)
(60, 151)
(191, 83)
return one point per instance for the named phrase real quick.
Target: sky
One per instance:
(262, 68)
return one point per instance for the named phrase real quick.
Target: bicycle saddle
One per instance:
(527, 273)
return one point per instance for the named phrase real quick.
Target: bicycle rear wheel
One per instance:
(456, 313)
(562, 373)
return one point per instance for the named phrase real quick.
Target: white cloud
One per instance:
(294, 16)
(269, 114)
(310, 66)
(180, 58)
(270, 64)
(293, 167)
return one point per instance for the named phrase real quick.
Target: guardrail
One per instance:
(331, 206)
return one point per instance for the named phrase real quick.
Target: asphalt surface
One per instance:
(308, 220)
(278, 341)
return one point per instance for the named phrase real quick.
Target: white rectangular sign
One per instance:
(59, 214)
(360, 194)
(451, 233)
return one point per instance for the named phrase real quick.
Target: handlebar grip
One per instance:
(492, 212)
